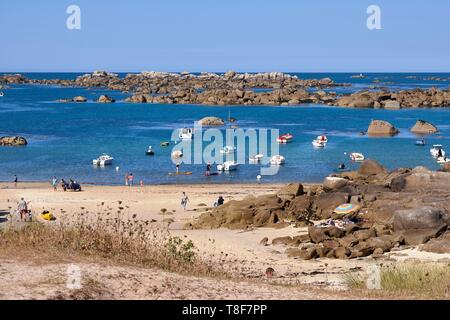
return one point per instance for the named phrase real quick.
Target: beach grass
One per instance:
(420, 280)
(118, 240)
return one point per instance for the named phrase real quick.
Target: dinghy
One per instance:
(103, 160)
(437, 151)
(318, 144)
(150, 151)
(177, 154)
(256, 158)
(228, 150)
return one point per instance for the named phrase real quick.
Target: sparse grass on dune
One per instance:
(406, 280)
(116, 239)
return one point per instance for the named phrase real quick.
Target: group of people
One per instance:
(71, 185)
(129, 178)
(185, 199)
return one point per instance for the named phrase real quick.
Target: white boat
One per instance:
(442, 160)
(227, 166)
(318, 143)
(186, 133)
(322, 138)
(277, 160)
(177, 154)
(285, 138)
(356, 156)
(1, 94)
(228, 149)
(256, 158)
(437, 151)
(103, 160)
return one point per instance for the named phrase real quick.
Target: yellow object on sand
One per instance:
(46, 215)
(346, 208)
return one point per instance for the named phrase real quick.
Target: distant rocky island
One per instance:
(232, 88)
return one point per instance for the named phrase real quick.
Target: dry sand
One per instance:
(238, 250)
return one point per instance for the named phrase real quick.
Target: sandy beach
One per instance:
(238, 251)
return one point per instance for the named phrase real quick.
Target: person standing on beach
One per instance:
(130, 179)
(23, 209)
(15, 181)
(126, 178)
(177, 166)
(55, 183)
(208, 169)
(184, 201)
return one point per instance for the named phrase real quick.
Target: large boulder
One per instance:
(423, 127)
(334, 183)
(211, 121)
(418, 225)
(13, 141)
(371, 167)
(439, 245)
(392, 105)
(381, 128)
(105, 99)
(290, 191)
(79, 99)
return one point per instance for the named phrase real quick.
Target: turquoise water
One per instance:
(64, 138)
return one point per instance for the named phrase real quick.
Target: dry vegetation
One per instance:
(113, 237)
(406, 280)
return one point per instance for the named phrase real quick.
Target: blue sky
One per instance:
(213, 35)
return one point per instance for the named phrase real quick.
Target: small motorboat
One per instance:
(1, 94)
(164, 144)
(150, 151)
(318, 143)
(442, 160)
(228, 166)
(177, 154)
(437, 151)
(356, 156)
(277, 160)
(256, 158)
(285, 138)
(322, 138)
(420, 142)
(186, 134)
(103, 160)
(228, 149)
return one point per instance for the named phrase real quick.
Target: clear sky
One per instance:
(214, 35)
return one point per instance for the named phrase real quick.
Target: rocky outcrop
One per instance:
(211, 121)
(381, 128)
(423, 127)
(371, 167)
(79, 99)
(13, 141)
(105, 99)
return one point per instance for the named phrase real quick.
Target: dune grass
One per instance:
(423, 280)
(109, 237)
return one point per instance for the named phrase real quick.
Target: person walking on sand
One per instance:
(23, 209)
(126, 178)
(15, 181)
(55, 183)
(208, 169)
(184, 201)
(130, 179)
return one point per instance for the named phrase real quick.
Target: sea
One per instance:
(64, 138)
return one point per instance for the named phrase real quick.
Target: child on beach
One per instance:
(184, 201)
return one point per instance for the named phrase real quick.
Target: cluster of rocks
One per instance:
(384, 128)
(415, 98)
(394, 209)
(13, 141)
(102, 99)
(211, 121)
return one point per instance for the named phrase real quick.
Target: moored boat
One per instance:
(228, 149)
(186, 133)
(227, 166)
(150, 151)
(285, 138)
(318, 144)
(177, 154)
(103, 160)
(256, 158)
(437, 151)
(356, 156)
(277, 160)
